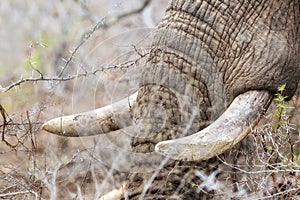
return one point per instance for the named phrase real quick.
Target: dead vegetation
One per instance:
(59, 78)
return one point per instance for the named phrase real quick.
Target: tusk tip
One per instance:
(162, 148)
(229, 129)
(46, 127)
(50, 126)
(62, 126)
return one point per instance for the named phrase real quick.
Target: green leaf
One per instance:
(269, 148)
(281, 88)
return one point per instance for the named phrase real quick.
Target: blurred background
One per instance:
(57, 41)
(55, 59)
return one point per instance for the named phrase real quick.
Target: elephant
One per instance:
(212, 71)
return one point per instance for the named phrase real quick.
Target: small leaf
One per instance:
(281, 88)
(269, 148)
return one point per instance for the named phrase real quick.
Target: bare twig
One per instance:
(127, 14)
(104, 22)
(124, 65)
(113, 19)
(10, 194)
(30, 57)
(85, 37)
(5, 124)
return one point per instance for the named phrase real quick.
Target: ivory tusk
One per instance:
(115, 194)
(101, 120)
(229, 129)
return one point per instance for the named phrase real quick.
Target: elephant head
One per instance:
(218, 61)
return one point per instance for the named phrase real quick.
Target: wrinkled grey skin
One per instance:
(204, 54)
(210, 52)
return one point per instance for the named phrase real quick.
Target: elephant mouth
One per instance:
(230, 128)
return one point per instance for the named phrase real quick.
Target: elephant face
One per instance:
(207, 56)
(253, 45)
(204, 55)
(212, 71)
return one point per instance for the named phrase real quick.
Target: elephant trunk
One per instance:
(206, 56)
(182, 88)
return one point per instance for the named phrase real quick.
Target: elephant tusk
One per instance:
(229, 129)
(114, 194)
(102, 120)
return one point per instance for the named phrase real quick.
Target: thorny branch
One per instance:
(102, 23)
(29, 124)
(124, 65)
(5, 123)
(10, 126)
(3, 114)
(127, 14)
(113, 19)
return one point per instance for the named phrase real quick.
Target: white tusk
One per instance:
(101, 120)
(115, 194)
(229, 129)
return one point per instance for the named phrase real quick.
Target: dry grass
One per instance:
(38, 165)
